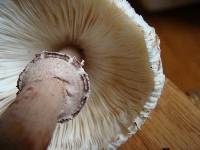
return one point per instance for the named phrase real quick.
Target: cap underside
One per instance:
(121, 54)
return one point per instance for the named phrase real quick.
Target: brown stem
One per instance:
(51, 88)
(29, 122)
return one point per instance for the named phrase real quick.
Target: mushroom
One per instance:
(122, 59)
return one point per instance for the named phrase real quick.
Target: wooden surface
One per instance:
(179, 32)
(174, 124)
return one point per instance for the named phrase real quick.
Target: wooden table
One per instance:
(179, 33)
(174, 124)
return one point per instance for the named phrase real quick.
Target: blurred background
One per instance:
(177, 23)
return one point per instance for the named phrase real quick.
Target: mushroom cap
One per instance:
(122, 59)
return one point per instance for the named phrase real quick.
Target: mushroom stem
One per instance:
(52, 88)
(73, 52)
(30, 121)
